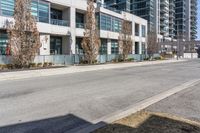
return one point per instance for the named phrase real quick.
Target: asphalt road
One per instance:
(57, 104)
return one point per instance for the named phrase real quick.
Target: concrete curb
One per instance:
(135, 108)
(75, 69)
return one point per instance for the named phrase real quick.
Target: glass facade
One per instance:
(3, 43)
(103, 48)
(114, 47)
(39, 9)
(55, 45)
(142, 8)
(118, 5)
(43, 12)
(56, 14)
(137, 29)
(137, 48)
(110, 23)
(79, 49)
(79, 20)
(143, 48)
(7, 7)
(143, 31)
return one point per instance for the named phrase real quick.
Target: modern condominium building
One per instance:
(61, 26)
(172, 18)
(165, 17)
(186, 19)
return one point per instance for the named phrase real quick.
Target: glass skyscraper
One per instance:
(167, 18)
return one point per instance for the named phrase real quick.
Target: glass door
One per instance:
(56, 45)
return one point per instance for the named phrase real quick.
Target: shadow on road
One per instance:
(67, 124)
(61, 124)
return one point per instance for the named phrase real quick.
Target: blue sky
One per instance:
(198, 20)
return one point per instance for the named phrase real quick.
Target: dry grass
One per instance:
(148, 122)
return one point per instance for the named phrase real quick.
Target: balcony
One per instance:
(164, 3)
(172, 4)
(80, 19)
(80, 25)
(60, 22)
(164, 10)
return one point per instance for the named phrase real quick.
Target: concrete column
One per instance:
(133, 28)
(66, 49)
(72, 39)
(133, 48)
(45, 44)
(140, 47)
(108, 46)
(66, 15)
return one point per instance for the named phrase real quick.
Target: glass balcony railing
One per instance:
(80, 25)
(137, 33)
(60, 22)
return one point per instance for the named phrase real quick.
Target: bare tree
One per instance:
(91, 41)
(152, 44)
(24, 39)
(125, 40)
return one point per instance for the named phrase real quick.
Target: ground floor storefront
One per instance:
(65, 45)
(111, 47)
(64, 49)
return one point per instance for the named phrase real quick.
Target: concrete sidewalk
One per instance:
(75, 69)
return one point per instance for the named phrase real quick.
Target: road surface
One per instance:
(57, 104)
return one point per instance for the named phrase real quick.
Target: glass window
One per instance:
(114, 47)
(56, 14)
(117, 24)
(40, 10)
(79, 20)
(98, 20)
(79, 49)
(143, 48)
(3, 43)
(103, 48)
(103, 22)
(110, 23)
(34, 9)
(56, 45)
(7, 7)
(137, 29)
(137, 48)
(143, 31)
(43, 9)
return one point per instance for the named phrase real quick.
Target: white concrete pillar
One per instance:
(140, 30)
(108, 46)
(133, 48)
(140, 48)
(133, 27)
(72, 39)
(45, 44)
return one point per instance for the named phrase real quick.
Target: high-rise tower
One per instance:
(166, 18)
